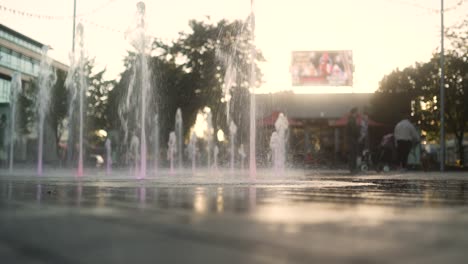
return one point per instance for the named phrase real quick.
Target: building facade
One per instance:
(317, 124)
(22, 54)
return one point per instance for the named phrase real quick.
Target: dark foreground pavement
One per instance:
(304, 217)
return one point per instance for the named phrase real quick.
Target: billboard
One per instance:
(318, 68)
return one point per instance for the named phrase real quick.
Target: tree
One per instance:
(419, 87)
(97, 96)
(456, 89)
(58, 111)
(395, 93)
(209, 54)
(94, 106)
(189, 73)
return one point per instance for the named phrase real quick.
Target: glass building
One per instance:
(18, 53)
(22, 54)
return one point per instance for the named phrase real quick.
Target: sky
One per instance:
(382, 34)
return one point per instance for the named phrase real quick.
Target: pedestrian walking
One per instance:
(405, 136)
(352, 135)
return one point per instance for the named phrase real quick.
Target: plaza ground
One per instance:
(299, 217)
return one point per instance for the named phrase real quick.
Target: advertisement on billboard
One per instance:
(319, 68)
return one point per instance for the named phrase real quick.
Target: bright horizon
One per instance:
(382, 34)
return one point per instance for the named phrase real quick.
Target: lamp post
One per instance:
(74, 21)
(442, 90)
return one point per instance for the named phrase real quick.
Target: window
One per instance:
(27, 65)
(14, 60)
(5, 56)
(4, 91)
(35, 69)
(20, 41)
(18, 62)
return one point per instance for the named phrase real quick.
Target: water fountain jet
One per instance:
(253, 129)
(47, 78)
(16, 89)
(171, 149)
(179, 137)
(156, 142)
(278, 143)
(193, 150)
(77, 86)
(233, 132)
(108, 156)
(134, 98)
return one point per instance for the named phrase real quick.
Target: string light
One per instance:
(81, 19)
(48, 17)
(99, 8)
(107, 28)
(431, 10)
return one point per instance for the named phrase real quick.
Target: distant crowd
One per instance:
(405, 136)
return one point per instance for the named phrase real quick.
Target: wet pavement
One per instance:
(302, 217)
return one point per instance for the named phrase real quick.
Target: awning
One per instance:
(344, 121)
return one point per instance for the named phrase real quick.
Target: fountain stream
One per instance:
(278, 142)
(253, 130)
(77, 86)
(46, 80)
(156, 142)
(215, 157)
(209, 137)
(193, 150)
(108, 156)
(233, 132)
(179, 137)
(135, 106)
(171, 149)
(16, 89)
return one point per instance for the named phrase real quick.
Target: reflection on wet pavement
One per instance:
(304, 215)
(209, 197)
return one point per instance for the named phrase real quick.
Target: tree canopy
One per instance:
(189, 73)
(416, 89)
